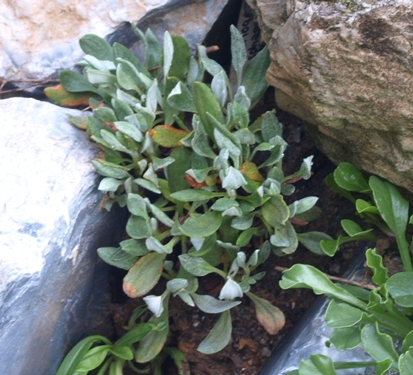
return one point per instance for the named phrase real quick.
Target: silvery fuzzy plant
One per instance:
(204, 184)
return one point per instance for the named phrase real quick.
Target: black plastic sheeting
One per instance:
(310, 335)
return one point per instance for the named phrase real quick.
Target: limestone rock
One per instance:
(346, 69)
(51, 226)
(41, 37)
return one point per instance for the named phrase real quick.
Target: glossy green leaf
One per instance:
(406, 362)
(363, 206)
(198, 226)
(144, 275)
(75, 356)
(123, 352)
(407, 342)
(317, 364)
(348, 177)
(394, 210)
(345, 338)
(268, 315)
(93, 358)
(400, 287)
(375, 263)
(305, 276)
(96, 46)
(379, 345)
(342, 315)
(212, 305)
(219, 336)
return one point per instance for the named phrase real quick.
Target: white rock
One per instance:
(50, 228)
(40, 37)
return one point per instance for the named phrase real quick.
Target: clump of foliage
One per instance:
(378, 320)
(204, 184)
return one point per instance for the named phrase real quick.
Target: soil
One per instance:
(251, 345)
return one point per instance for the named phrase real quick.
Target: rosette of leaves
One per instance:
(204, 184)
(379, 320)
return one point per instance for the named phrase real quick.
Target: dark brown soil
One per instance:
(251, 345)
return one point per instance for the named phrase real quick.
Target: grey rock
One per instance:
(41, 38)
(346, 69)
(52, 289)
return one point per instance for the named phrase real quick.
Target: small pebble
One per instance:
(265, 352)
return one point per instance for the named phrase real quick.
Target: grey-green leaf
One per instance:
(219, 336)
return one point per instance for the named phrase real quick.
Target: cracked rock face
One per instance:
(40, 37)
(346, 69)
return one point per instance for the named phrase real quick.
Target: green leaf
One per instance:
(270, 127)
(345, 338)
(206, 102)
(181, 58)
(135, 335)
(305, 276)
(302, 205)
(168, 53)
(284, 239)
(138, 227)
(212, 305)
(110, 184)
(342, 315)
(348, 177)
(144, 275)
(197, 266)
(117, 257)
(407, 342)
(400, 287)
(75, 356)
(109, 169)
(130, 130)
(275, 212)
(128, 76)
(179, 359)
(219, 87)
(311, 240)
(394, 210)
(98, 77)
(93, 358)
(134, 247)
(177, 170)
(375, 263)
(406, 362)
(169, 111)
(238, 52)
(268, 315)
(202, 225)
(363, 206)
(167, 136)
(120, 51)
(137, 205)
(181, 99)
(76, 82)
(254, 76)
(96, 46)
(151, 345)
(195, 195)
(122, 352)
(219, 336)
(317, 364)
(379, 345)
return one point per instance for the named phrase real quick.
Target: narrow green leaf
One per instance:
(375, 263)
(311, 240)
(212, 305)
(144, 275)
(93, 358)
(75, 356)
(197, 266)
(181, 99)
(238, 52)
(177, 170)
(181, 58)
(134, 335)
(109, 169)
(117, 257)
(195, 195)
(76, 82)
(219, 336)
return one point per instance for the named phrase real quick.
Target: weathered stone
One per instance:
(41, 37)
(51, 287)
(346, 69)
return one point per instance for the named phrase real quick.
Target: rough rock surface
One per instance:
(51, 287)
(346, 69)
(40, 37)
